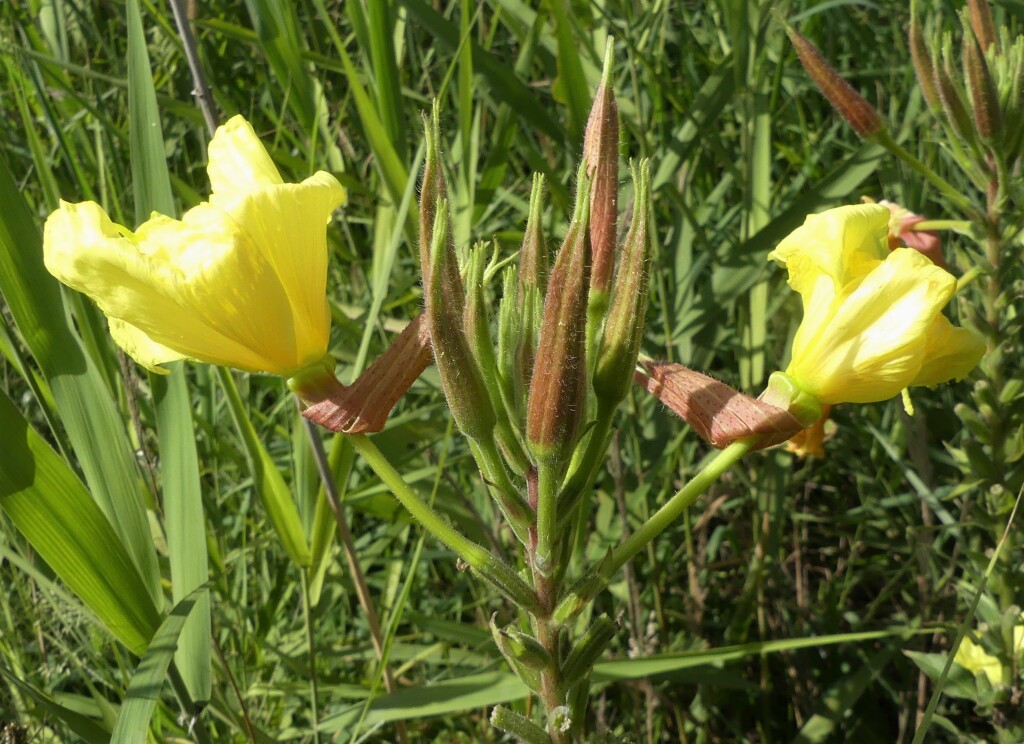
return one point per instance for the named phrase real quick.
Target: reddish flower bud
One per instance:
(717, 412)
(624, 328)
(601, 155)
(981, 24)
(558, 386)
(363, 406)
(988, 116)
(847, 102)
(952, 103)
(922, 59)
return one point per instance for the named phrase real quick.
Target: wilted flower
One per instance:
(810, 442)
(240, 280)
(873, 322)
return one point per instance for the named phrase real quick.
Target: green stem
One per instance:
(951, 192)
(314, 686)
(500, 574)
(508, 497)
(548, 477)
(956, 225)
(675, 506)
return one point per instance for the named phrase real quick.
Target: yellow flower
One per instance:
(873, 322)
(977, 661)
(240, 280)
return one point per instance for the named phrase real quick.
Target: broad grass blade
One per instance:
(51, 508)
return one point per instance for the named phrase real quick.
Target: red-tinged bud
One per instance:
(988, 116)
(981, 24)
(601, 155)
(952, 103)
(460, 376)
(433, 189)
(363, 407)
(847, 102)
(717, 412)
(901, 232)
(624, 328)
(558, 386)
(922, 59)
(533, 255)
(810, 442)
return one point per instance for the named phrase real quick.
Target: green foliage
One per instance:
(774, 610)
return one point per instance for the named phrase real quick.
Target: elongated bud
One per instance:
(624, 328)
(601, 155)
(988, 116)
(433, 189)
(588, 650)
(922, 59)
(952, 103)
(533, 255)
(558, 384)
(847, 102)
(981, 23)
(363, 406)
(475, 318)
(717, 412)
(460, 377)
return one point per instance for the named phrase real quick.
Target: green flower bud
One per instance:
(952, 102)
(922, 59)
(988, 116)
(433, 188)
(624, 328)
(460, 376)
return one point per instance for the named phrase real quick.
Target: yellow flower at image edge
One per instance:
(873, 322)
(240, 280)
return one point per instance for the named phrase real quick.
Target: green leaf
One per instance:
(144, 689)
(87, 411)
(51, 508)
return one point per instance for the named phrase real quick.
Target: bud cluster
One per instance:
(522, 382)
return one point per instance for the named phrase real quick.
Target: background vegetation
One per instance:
(779, 609)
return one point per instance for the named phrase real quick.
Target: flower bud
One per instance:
(558, 384)
(952, 103)
(717, 412)
(460, 377)
(981, 23)
(988, 116)
(533, 255)
(432, 189)
(363, 406)
(847, 102)
(922, 59)
(601, 155)
(624, 328)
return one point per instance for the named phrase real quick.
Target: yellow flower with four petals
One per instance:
(873, 322)
(240, 280)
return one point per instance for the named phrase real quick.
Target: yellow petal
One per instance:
(950, 353)
(238, 161)
(873, 344)
(141, 347)
(843, 244)
(975, 659)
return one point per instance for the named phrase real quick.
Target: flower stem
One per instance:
(949, 190)
(675, 506)
(498, 573)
